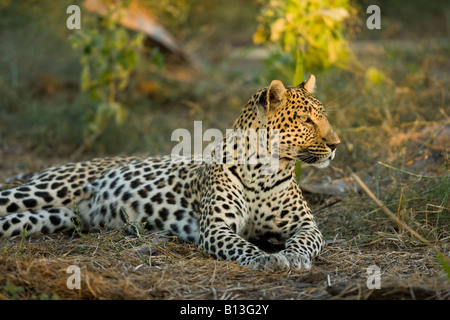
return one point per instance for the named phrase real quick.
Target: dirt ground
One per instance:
(116, 266)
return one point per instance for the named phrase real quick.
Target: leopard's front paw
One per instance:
(274, 262)
(296, 260)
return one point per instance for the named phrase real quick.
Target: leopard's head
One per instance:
(299, 119)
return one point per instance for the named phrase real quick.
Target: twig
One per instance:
(419, 176)
(395, 219)
(398, 210)
(399, 126)
(89, 141)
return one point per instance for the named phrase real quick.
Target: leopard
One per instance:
(223, 207)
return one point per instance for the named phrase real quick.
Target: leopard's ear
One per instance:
(309, 84)
(276, 94)
(271, 98)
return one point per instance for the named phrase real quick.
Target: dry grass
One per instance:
(117, 267)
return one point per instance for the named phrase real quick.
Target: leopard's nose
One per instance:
(331, 140)
(332, 146)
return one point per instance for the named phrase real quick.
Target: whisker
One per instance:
(332, 105)
(306, 157)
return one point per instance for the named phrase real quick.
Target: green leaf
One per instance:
(374, 76)
(138, 41)
(121, 38)
(87, 49)
(85, 78)
(444, 262)
(127, 58)
(157, 58)
(106, 76)
(299, 69)
(120, 113)
(298, 170)
(96, 94)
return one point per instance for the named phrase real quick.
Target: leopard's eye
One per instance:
(306, 119)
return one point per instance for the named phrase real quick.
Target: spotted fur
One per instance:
(222, 208)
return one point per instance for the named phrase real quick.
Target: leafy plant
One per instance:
(109, 55)
(444, 263)
(12, 291)
(303, 35)
(45, 296)
(22, 245)
(77, 221)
